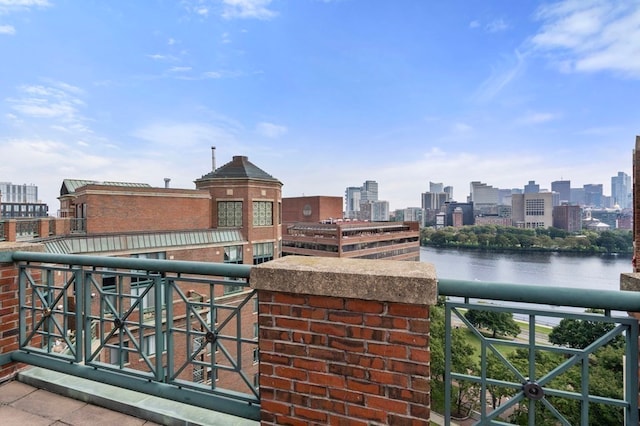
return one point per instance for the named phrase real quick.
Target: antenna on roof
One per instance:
(213, 158)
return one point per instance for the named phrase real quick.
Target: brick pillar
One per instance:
(9, 309)
(10, 231)
(344, 341)
(43, 228)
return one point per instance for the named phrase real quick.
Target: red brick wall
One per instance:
(247, 191)
(322, 207)
(123, 209)
(9, 312)
(329, 360)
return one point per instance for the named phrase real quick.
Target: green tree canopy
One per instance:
(579, 334)
(498, 322)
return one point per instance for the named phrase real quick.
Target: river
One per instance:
(552, 269)
(601, 272)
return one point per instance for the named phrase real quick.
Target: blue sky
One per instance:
(322, 94)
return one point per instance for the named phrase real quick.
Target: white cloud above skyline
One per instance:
(502, 96)
(591, 36)
(7, 29)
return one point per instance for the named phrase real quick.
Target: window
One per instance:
(148, 302)
(117, 352)
(149, 347)
(255, 305)
(262, 213)
(230, 214)
(262, 252)
(256, 355)
(256, 381)
(233, 254)
(255, 330)
(109, 294)
(534, 207)
(139, 284)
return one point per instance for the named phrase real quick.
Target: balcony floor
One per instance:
(43, 397)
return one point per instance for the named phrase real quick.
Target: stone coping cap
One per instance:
(379, 280)
(630, 281)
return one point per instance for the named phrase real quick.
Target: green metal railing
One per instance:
(153, 326)
(559, 392)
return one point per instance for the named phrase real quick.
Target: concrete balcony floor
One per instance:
(42, 397)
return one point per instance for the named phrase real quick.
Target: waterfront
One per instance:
(551, 269)
(598, 272)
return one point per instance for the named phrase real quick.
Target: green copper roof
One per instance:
(239, 167)
(69, 186)
(82, 244)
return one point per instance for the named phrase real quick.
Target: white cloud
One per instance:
(7, 6)
(501, 77)
(497, 25)
(185, 134)
(57, 105)
(460, 127)
(591, 35)
(271, 130)
(257, 9)
(474, 24)
(160, 57)
(179, 69)
(7, 29)
(537, 118)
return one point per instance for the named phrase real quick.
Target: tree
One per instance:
(498, 322)
(579, 334)
(497, 370)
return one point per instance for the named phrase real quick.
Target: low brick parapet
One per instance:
(9, 305)
(344, 341)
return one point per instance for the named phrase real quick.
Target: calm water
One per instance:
(562, 270)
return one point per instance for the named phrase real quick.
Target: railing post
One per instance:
(631, 282)
(10, 308)
(344, 340)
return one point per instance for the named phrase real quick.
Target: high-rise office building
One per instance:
(357, 196)
(593, 194)
(563, 188)
(532, 210)
(369, 191)
(449, 191)
(20, 201)
(484, 197)
(352, 197)
(621, 190)
(532, 187)
(380, 211)
(436, 187)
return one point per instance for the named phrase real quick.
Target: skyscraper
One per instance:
(532, 187)
(436, 187)
(593, 194)
(352, 201)
(369, 191)
(621, 190)
(562, 187)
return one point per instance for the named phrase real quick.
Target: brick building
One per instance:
(311, 229)
(233, 216)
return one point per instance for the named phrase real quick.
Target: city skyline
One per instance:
(320, 94)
